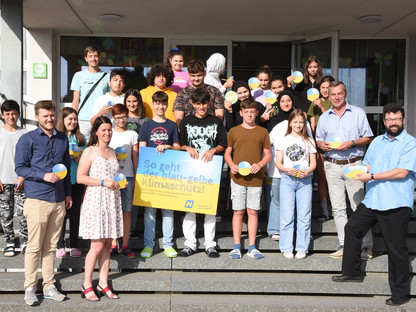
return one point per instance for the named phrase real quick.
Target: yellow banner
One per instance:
(175, 181)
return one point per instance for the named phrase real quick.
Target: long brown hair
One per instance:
(298, 113)
(97, 123)
(318, 77)
(65, 112)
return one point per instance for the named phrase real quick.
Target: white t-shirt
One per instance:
(127, 139)
(103, 100)
(276, 135)
(296, 151)
(8, 143)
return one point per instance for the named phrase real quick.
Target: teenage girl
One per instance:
(175, 59)
(68, 123)
(296, 149)
(277, 85)
(135, 120)
(263, 74)
(136, 116)
(216, 67)
(312, 77)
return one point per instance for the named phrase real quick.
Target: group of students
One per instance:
(179, 111)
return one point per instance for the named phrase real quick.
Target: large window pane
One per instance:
(373, 70)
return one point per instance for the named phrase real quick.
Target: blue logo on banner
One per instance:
(189, 204)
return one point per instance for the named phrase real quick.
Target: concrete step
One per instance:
(210, 303)
(226, 226)
(319, 243)
(218, 282)
(272, 262)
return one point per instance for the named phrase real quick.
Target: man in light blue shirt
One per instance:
(82, 83)
(391, 165)
(342, 133)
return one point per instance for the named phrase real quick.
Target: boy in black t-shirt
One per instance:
(161, 133)
(202, 136)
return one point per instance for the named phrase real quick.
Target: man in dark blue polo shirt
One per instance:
(47, 198)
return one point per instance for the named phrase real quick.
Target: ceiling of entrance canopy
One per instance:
(223, 17)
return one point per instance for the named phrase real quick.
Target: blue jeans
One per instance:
(150, 227)
(295, 191)
(273, 206)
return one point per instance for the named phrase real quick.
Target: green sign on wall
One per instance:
(40, 70)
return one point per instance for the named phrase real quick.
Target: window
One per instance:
(373, 70)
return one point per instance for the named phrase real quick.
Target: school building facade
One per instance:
(369, 45)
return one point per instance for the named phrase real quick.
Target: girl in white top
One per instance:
(296, 160)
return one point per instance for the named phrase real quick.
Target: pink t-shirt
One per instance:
(180, 80)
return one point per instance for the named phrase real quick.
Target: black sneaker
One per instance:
(186, 252)
(212, 252)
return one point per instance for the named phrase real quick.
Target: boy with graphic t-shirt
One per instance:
(202, 136)
(161, 133)
(250, 143)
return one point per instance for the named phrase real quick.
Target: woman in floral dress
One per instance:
(101, 214)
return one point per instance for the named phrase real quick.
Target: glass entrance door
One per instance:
(324, 47)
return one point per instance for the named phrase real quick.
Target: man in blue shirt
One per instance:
(47, 198)
(342, 133)
(391, 165)
(82, 82)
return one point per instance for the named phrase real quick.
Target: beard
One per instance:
(395, 130)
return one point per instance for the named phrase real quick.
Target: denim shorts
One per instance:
(127, 196)
(245, 196)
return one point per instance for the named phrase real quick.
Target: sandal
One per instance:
(113, 252)
(103, 292)
(84, 293)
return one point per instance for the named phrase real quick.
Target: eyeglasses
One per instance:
(120, 118)
(389, 120)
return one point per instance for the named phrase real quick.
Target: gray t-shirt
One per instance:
(8, 141)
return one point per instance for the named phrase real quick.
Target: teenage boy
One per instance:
(202, 136)
(183, 104)
(47, 198)
(92, 79)
(12, 195)
(161, 133)
(102, 105)
(247, 142)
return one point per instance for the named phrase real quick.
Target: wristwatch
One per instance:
(353, 143)
(372, 176)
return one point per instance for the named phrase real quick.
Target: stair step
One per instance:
(209, 303)
(319, 243)
(272, 262)
(218, 282)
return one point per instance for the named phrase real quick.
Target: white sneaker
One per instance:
(288, 255)
(30, 296)
(300, 255)
(275, 236)
(53, 293)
